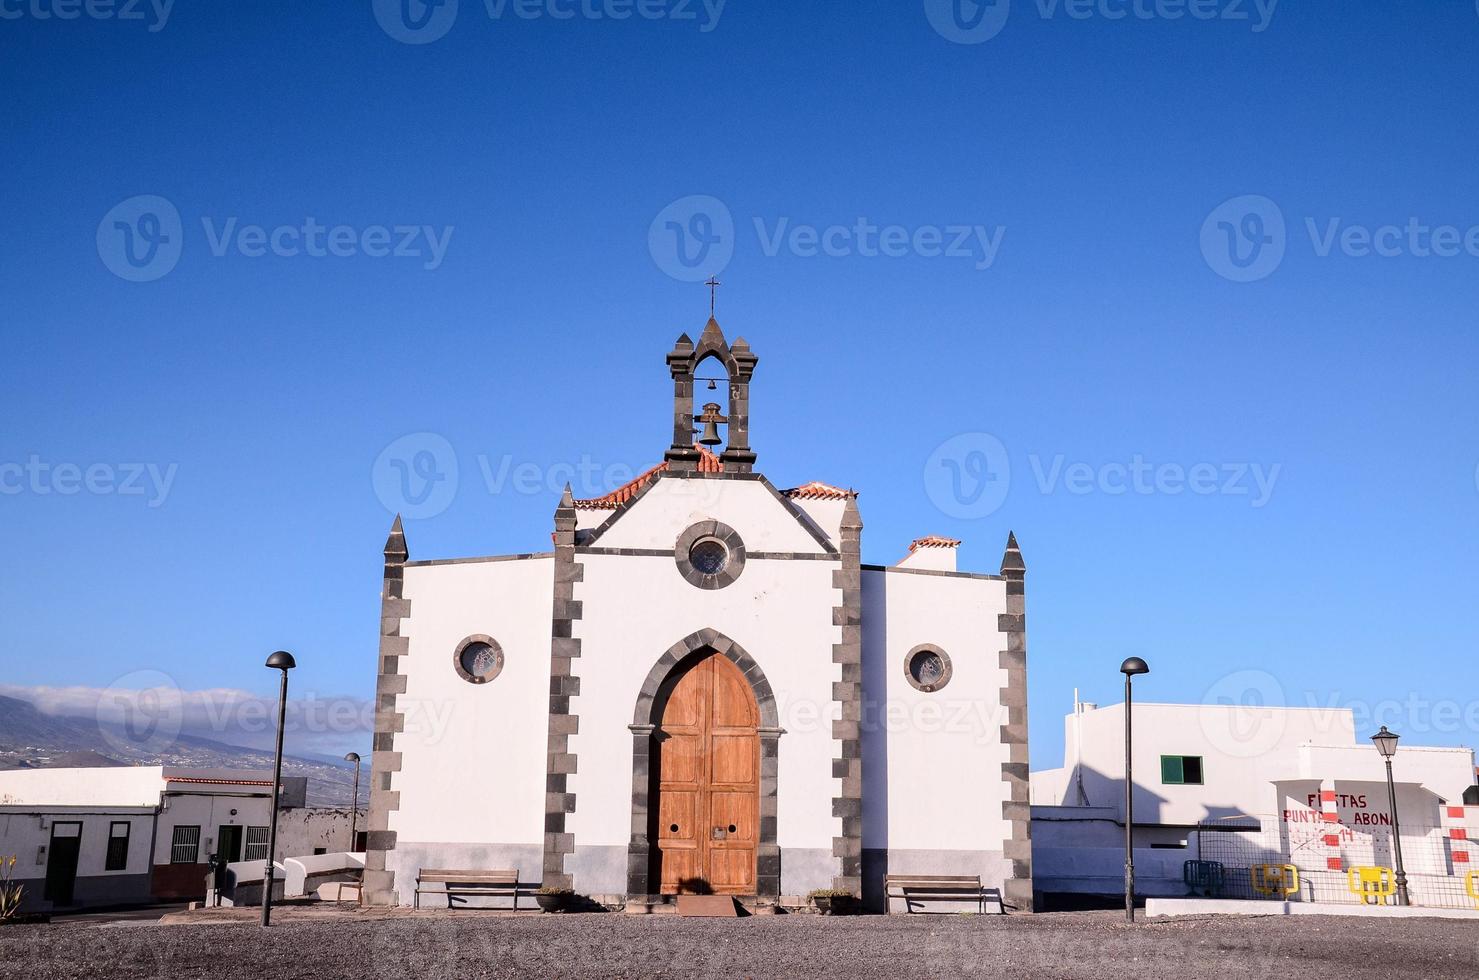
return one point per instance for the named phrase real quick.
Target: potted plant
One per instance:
(553, 899)
(834, 901)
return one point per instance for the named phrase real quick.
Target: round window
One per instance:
(478, 659)
(709, 556)
(927, 668)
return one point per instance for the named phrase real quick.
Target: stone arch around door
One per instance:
(640, 882)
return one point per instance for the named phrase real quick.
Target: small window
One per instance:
(478, 659)
(117, 859)
(256, 844)
(320, 850)
(1178, 770)
(185, 846)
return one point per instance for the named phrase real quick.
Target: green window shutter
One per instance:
(1171, 769)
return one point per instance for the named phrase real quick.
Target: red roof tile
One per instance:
(707, 463)
(817, 490)
(933, 541)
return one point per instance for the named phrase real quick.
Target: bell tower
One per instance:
(683, 362)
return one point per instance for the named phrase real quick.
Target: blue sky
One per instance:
(534, 163)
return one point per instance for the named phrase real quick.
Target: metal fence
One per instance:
(1266, 857)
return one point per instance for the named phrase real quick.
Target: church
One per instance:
(700, 687)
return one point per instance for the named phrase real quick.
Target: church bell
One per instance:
(711, 420)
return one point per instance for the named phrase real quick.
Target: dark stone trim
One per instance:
(379, 883)
(933, 571)
(847, 806)
(749, 555)
(482, 558)
(1014, 771)
(639, 850)
(944, 659)
(560, 762)
(725, 535)
(463, 673)
(676, 474)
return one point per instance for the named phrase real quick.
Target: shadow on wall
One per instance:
(875, 761)
(1102, 789)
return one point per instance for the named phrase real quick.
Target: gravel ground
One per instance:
(1071, 944)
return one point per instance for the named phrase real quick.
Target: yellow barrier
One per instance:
(1372, 884)
(1472, 884)
(1275, 879)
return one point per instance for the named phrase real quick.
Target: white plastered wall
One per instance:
(670, 506)
(932, 761)
(473, 755)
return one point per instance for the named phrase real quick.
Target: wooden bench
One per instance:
(497, 882)
(921, 888)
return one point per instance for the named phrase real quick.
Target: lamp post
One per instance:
(1386, 744)
(1131, 667)
(283, 661)
(353, 800)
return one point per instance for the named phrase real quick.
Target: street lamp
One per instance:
(1131, 667)
(283, 661)
(353, 800)
(1386, 744)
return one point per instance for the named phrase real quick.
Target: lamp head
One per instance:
(1385, 742)
(1133, 666)
(352, 757)
(282, 660)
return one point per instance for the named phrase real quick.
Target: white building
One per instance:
(702, 687)
(118, 836)
(1276, 769)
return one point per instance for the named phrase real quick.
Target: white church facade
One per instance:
(700, 687)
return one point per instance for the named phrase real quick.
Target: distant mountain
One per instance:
(30, 739)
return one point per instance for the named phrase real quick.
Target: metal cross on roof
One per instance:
(713, 284)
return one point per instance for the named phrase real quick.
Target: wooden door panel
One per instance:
(732, 871)
(682, 868)
(678, 809)
(681, 757)
(733, 759)
(686, 702)
(733, 704)
(736, 810)
(708, 781)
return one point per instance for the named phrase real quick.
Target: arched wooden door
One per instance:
(708, 781)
